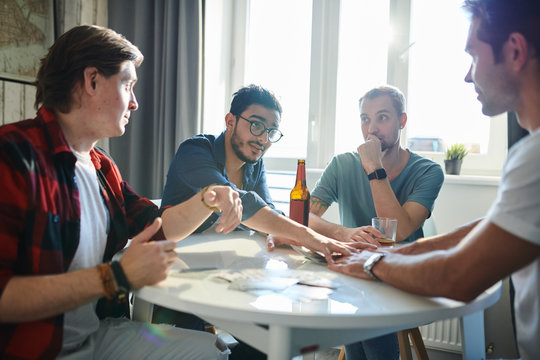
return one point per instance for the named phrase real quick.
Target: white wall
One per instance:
(463, 199)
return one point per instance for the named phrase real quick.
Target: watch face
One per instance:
(377, 174)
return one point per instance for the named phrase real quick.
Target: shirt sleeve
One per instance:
(327, 185)
(517, 207)
(427, 186)
(13, 211)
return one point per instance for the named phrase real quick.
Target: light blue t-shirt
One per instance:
(345, 182)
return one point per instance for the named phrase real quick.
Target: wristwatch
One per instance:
(371, 262)
(378, 174)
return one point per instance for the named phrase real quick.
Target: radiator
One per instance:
(443, 335)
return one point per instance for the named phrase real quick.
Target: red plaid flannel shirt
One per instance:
(40, 222)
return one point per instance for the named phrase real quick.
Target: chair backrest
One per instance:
(429, 227)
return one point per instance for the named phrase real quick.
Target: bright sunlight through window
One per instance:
(278, 56)
(442, 108)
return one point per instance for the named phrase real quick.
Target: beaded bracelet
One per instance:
(107, 280)
(213, 208)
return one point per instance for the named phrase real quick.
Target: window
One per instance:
(364, 33)
(278, 52)
(320, 56)
(442, 107)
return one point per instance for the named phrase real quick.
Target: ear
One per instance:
(516, 50)
(403, 121)
(90, 75)
(230, 121)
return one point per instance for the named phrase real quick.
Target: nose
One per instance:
(133, 104)
(373, 128)
(264, 137)
(468, 77)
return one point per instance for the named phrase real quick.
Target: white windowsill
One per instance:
(472, 180)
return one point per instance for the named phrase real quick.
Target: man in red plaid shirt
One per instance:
(65, 211)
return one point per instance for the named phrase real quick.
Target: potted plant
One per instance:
(454, 158)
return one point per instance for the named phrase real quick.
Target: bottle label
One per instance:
(299, 211)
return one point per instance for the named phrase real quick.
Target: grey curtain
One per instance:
(169, 34)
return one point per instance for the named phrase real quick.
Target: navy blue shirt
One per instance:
(200, 161)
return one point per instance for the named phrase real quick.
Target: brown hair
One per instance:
(71, 53)
(500, 18)
(398, 99)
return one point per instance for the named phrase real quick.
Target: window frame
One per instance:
(323, 83)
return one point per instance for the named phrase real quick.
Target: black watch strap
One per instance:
(124, 287)
(377, 174)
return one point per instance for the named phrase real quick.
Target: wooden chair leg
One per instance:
(418, 344)
(342, 353)
(404, 345)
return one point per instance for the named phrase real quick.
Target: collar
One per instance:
(55, 137)
(53, 132)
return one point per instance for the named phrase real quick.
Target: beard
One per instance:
(237, 144)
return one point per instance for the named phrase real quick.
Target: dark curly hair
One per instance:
(253, 94)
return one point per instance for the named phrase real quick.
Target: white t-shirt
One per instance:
(83, 321)
(517, 210)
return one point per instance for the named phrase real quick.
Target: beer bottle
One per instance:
(299, 205)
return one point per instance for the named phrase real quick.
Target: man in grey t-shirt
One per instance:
(380, 179)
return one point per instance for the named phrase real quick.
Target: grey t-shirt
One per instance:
(345, 182)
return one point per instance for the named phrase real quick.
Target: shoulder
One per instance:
(200, 142)
(22, 131)
(420, 162)
(342, 167)
(345, 160)
(527, 149)
(523, 160)
(21, 140)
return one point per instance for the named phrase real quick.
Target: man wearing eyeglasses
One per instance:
(234, 158)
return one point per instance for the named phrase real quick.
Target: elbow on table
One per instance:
(462, 290)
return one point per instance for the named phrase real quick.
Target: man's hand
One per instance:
(371, 154)
(228, 201)
(360, 234)
(147, 262)
(326, 246)
(352, 265)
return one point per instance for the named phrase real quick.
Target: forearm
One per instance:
(323, 227)
(387, 205)
(267, 221)
(423, 274)
(181, 220)
(463, 271)
(439, 242)
(30, 298)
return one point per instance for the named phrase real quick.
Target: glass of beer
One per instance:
(388, 228)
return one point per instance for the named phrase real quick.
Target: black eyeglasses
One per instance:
(257, 128)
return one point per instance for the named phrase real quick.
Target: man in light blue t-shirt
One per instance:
(380, 179)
